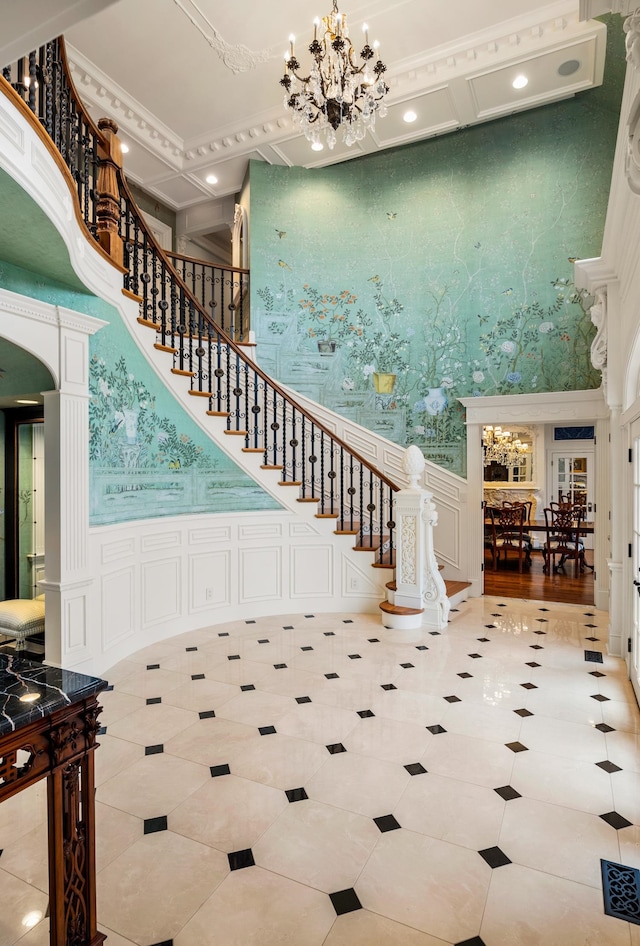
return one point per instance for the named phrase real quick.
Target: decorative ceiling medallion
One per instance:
(237, 58)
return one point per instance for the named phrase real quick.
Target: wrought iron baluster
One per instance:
(33, 82)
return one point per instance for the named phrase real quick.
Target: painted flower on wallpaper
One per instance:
(478, 377)
(329, 317)
(546, 327)
(126, 432)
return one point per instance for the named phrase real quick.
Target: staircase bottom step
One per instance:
(397, 609)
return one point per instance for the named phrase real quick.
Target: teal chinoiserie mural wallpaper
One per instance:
(389, 286)
(147, 457)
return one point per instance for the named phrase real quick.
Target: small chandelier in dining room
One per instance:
(499, 446)
(339, 91)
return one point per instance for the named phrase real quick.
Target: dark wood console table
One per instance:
(48, 727)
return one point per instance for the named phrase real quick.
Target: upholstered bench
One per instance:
(22, 617)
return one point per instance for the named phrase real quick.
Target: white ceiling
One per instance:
(193, 84)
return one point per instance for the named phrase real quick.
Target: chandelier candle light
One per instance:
(339, 90)
(499, 447)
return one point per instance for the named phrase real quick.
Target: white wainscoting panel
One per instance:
(116, 551)
(117, 594)
(263, 530)
(209, 580)
(210, 535)
(363, 581)
(311, 571)
(163, 540)
(161, 586)
(260, 574)
(76, 625)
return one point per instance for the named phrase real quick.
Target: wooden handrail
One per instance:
(206, 262)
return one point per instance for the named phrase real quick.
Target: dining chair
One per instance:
(563, 537)
(507, 531)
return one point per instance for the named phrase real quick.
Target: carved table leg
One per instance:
(71, 810)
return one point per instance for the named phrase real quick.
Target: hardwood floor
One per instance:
(507, 582)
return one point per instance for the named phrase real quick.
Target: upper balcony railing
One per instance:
(176, 299)
(222, 290)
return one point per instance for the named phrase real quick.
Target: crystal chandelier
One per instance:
(339, 90)
(499, 446)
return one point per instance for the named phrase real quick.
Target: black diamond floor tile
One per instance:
(596, 673)
(347, 621)
(591, 625)
(490, 626)
(373, 640)
(452, 699)
(621, 891)
(246, 687)
(329, 634)
(296, 794)
(306, 648)
(474, 941)
(407, 666)
(592, 638)
(436, 730)
(542, 621)
(615, 820)
(226, 633)
(485, 640)
(516, 747)
(365, 714)
(416, 768)
(336, 747)
(354, 657)
(249, 622)
(233, 657)
(152, 700)
(523, 712)
(387, 823)
(599, 697)
(388, 686)
(207, 714)
(345, 901)
(529, 686)
(190, 650)
(154, 750)
(309, 615)
(536, 646)
(152, 825)
(264, 640)
(266, 730)
(238, 860)
(465, 676)
(604, 727)
(532, 663)
(332, 676)
(288, 627)
(165, 942)
(475, 656)
(494, 857)
(540, 632)
(303, 699)
(197, 676)
(153, 666)
(279, 666)
(609, 767)
(217, 770)
(422, 647)
(507, 792)
(435, 633)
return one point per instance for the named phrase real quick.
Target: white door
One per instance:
(634, 655)
(572, 479)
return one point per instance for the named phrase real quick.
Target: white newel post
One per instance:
(419, 584)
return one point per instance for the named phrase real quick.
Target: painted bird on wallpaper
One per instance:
(507, 292)
(391, 216)
(281, 233)
(373, 279)
(283, 265)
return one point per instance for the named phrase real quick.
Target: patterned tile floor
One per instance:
(316, 779)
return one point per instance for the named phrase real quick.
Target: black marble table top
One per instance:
(30, 691)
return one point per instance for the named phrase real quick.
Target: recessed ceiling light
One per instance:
(125, 148)
(519, 82)
(211, 179)
(569, 67)
(22, 401)
(409, 117)
(317, 146)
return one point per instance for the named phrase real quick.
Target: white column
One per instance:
(66, 431)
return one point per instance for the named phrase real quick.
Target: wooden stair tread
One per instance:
(201, 393)
(454, 587)
(252, 450)
(397, 609)
(327, 515)
(184, 372)
(309, 499)
(271, 466)
(168, 348)
(219, 413)
(236, 433)
(290, 483)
